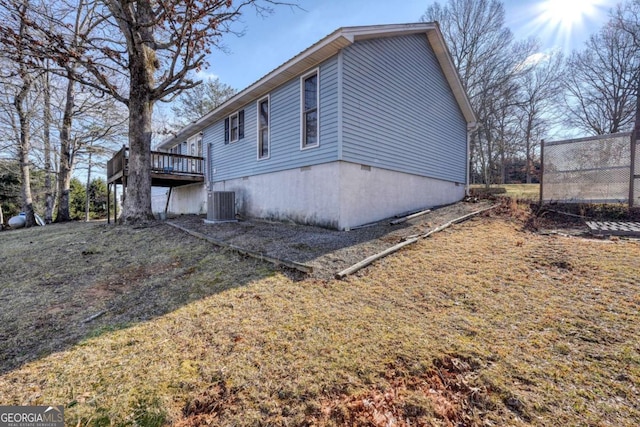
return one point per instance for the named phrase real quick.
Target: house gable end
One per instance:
(399, 110)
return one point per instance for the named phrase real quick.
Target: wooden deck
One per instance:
(167, 169)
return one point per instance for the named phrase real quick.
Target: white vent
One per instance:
(221, 206)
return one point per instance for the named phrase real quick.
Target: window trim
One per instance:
(305, 76)
(240, 129)
(231, 116)
(258, 129)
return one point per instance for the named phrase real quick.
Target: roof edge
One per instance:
(322, 50)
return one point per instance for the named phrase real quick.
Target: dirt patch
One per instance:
(446, 395)
(327, 251)
(206, 408)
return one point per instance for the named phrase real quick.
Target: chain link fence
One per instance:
(588, 170)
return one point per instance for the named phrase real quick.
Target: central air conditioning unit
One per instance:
(221, 206)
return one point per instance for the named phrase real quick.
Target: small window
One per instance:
(233, 136)
(309, 105)
(234, 127)
(263, 128)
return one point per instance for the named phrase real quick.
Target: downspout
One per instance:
(471, 128)
(340, 135)
(340, 103)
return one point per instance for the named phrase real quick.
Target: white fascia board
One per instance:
(309, 58)
(321, 51)
(391, 30)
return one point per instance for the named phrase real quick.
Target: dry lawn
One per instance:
(483, 324)
(530, 192)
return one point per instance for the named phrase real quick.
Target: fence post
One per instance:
(541, 169)
(632, 172)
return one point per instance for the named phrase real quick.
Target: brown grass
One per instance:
(529, 192)
(483, 324)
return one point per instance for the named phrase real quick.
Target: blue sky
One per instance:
(270, 41)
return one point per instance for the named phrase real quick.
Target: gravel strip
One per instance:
(327, 251)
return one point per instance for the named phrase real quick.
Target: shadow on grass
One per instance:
(65, 283)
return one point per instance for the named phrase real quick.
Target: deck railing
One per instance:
(161, 163)
(117, 163)
(176, 163)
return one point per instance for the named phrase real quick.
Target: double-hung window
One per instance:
(233, 136)
(263, 128)
(234, 127)
(309, 103)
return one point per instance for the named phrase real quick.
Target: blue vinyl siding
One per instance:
(239, 159)
(398, 110)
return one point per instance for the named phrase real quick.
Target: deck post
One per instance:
(115, 203)
(108, 203)
(124, 189)
(166, 206)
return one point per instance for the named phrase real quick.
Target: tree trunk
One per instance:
(48, 185)
(488, 158)
(142, 65)
(137, 203)
(503, 164)
(87, 202)
(24, 147)
(528, 148)
(66, 157)
(25, 171)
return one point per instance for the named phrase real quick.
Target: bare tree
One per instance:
(84, 19)
(46, 140)
(627, 19)
(601, 82)
(539, 90)
(20, 79)
(488, 61)
(91, 126)
(141, 52)
(504, 123)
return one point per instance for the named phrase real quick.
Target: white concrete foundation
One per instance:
(337, 195)
(188, 199)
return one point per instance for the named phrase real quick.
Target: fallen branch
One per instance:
(94, 317)
(457, 221)
(291, 264)
(566, 213)
(408, 217)
(372, 258)
(371, 224)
